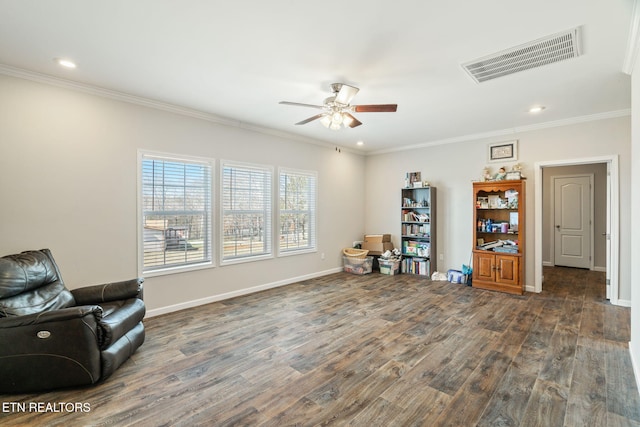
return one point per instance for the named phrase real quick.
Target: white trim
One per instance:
(636, 368)
(159, 105)
(140, 231)
(509, 132)
(240, 292)
(184, 111)
(633, 41)
(614, 199)
(177, 269)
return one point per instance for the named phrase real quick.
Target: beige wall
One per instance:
(452, 167)
(599, 172)
(68, 164)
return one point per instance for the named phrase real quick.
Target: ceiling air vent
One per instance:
(547, 50)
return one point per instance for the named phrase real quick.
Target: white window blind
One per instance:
(176, 212)
(246, 211)
(297, 211)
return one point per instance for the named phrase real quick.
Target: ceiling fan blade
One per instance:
(310, 119)
(375, 108)
(298, 104)
(354, 122)
(346, 94)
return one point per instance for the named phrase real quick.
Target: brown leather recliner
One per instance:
(51, 337)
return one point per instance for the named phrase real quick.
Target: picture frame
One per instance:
(514, 175)
(413, 180)
(503, 151)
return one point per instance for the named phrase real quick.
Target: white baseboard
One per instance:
(595, 268)
(622, 302)
(636, 368)
(240, 292)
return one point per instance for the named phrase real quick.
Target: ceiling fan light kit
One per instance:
(337, 109)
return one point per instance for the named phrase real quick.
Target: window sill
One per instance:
(297, 252)
(241, 260)
(179, 269)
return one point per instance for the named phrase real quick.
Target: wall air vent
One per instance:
(537, 53)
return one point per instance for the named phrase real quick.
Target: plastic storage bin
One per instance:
(358, 265)
(389, 267)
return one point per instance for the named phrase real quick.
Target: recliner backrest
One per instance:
(30, 283)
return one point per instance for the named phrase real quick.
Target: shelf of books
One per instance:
(414, 265)
(418, 229)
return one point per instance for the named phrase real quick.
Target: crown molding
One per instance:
(159, 105)
(633, 42)
(510, 132)
(176, 109)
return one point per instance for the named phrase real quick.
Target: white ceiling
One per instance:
(237, 60)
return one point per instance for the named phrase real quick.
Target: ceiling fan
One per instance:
(337, 108)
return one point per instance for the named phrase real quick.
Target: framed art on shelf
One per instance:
(503, 151)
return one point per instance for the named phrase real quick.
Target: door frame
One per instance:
(613, 201)
(552, 246)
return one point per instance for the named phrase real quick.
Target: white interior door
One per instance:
(573, 224)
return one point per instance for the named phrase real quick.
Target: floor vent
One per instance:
(547, 50)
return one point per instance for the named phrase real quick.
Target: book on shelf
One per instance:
(508, 249)
(416, 248)
(507, 246)
(420, 266)
(417, 230)
(490, 245)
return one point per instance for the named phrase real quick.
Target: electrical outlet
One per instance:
(441, 257)
(322, 255)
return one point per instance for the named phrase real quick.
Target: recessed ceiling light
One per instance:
(65, 63)
(537, 109)
(360, 143)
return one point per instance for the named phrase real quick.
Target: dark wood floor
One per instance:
(370, 351)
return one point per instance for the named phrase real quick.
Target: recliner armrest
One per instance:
(97, 294)
(51, 316)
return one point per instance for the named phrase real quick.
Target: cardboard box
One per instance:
(377, 238)
(377, 248)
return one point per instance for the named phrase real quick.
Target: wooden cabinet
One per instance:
(499, 270)
(499, 235)
(418, 231)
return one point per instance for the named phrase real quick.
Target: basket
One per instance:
(355, 253)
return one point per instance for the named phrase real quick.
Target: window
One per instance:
(246, 211)
(175, 212)
(297, 203)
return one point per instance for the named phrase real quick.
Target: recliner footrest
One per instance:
(118, 318)
(121, 350)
